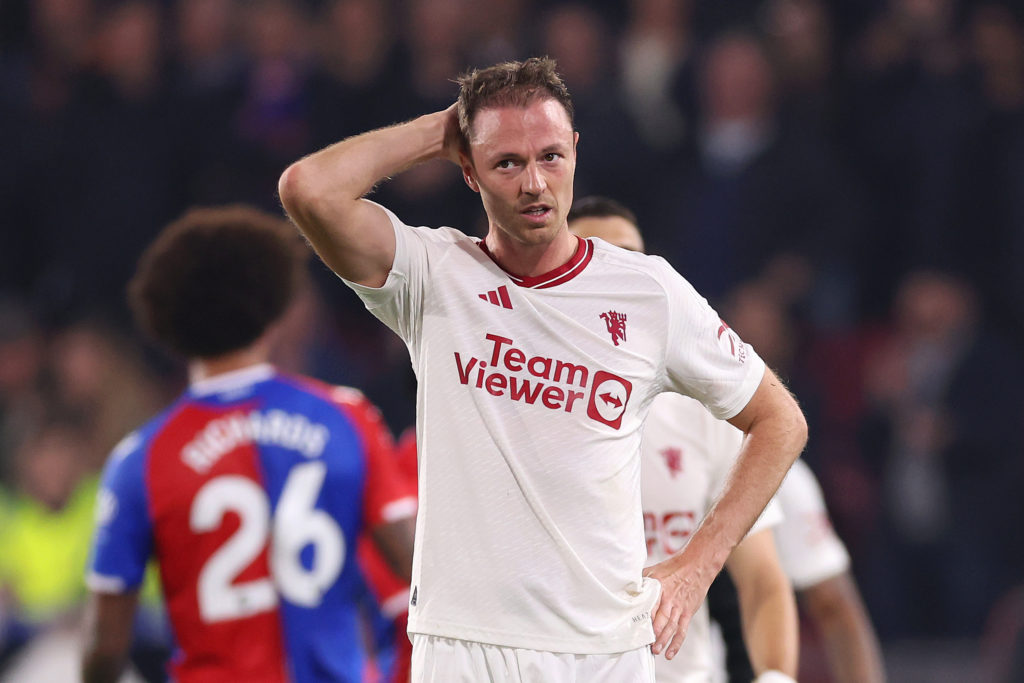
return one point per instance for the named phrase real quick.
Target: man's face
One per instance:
(522, 163)
(612, 229)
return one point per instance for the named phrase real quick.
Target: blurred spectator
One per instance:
(44, 537)
(433, 193)
(21, 366)
(943, 448)
(271, 122)
(910, 113)
(357, 41)
(98, 378)
(42, 76)
(115, 175)
(208, 53)
(575, 35)
(752, 189)
(499, 31)
(800, 41)
(207, 80)
(657, 55)
(990, 177)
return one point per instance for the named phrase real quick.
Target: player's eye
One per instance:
(505, 163)
(551, 156)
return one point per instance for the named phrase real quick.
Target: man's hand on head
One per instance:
(452, 135)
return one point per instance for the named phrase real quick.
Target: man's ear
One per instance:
(575, 141)
(468, 172)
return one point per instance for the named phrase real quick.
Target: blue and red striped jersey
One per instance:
(251, 492)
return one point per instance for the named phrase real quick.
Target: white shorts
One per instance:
(447, 660)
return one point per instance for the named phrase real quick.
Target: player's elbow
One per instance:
(797, 428)
(297, 191)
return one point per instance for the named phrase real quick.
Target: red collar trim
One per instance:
(562, 274)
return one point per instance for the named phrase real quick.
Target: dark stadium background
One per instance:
(843, 179)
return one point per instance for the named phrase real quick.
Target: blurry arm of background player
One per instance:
(108, 635)
(771, 629)
(776, 432)
(852, 648)
(395, 542)
(322, 192)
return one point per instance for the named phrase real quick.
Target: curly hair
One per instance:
(515, 84)
(215, 279)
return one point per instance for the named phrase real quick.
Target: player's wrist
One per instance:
(773, 676)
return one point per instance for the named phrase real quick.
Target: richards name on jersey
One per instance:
(507, 371)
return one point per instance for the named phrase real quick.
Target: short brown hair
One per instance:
(509, 84)
(600, 207)
(215, 279)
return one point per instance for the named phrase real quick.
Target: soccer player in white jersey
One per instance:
(686, 457)
(537, 356)
(818, 564)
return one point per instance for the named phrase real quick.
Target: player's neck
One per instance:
(204, 368)
(531, 260)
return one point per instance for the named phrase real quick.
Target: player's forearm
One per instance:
(768, 451)
(767, 605)
(776, 433)
(770, 627)
(322, 194)
(347, 170)
(852, 649)
(108, 636)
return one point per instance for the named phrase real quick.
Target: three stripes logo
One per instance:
(498, 297)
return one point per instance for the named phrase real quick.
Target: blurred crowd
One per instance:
(844, 180)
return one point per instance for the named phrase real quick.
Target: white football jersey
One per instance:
(809, 549)
(686, 457)
(531, 397)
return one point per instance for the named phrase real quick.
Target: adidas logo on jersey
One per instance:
(508, 371)
(498, 297)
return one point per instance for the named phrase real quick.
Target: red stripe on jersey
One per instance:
(492, 296)
(563, 273)
(503, 293)
(199, 528)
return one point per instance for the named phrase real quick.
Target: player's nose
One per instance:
(533, 180)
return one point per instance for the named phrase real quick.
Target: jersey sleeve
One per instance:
(388, 496)
(809, 549)
(123, 539)
(705, 358)
(398, 303)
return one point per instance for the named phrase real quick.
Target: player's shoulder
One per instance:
(335, 398)
(129, 453)
(651, 269)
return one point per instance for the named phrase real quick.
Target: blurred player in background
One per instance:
(686, 457)
(812, 556)
(253, 489)
(818, 564)
(537, 354)
(390, 590)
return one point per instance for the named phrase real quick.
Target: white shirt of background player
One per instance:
(686, 457)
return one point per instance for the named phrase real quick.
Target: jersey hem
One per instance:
(592, 645)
